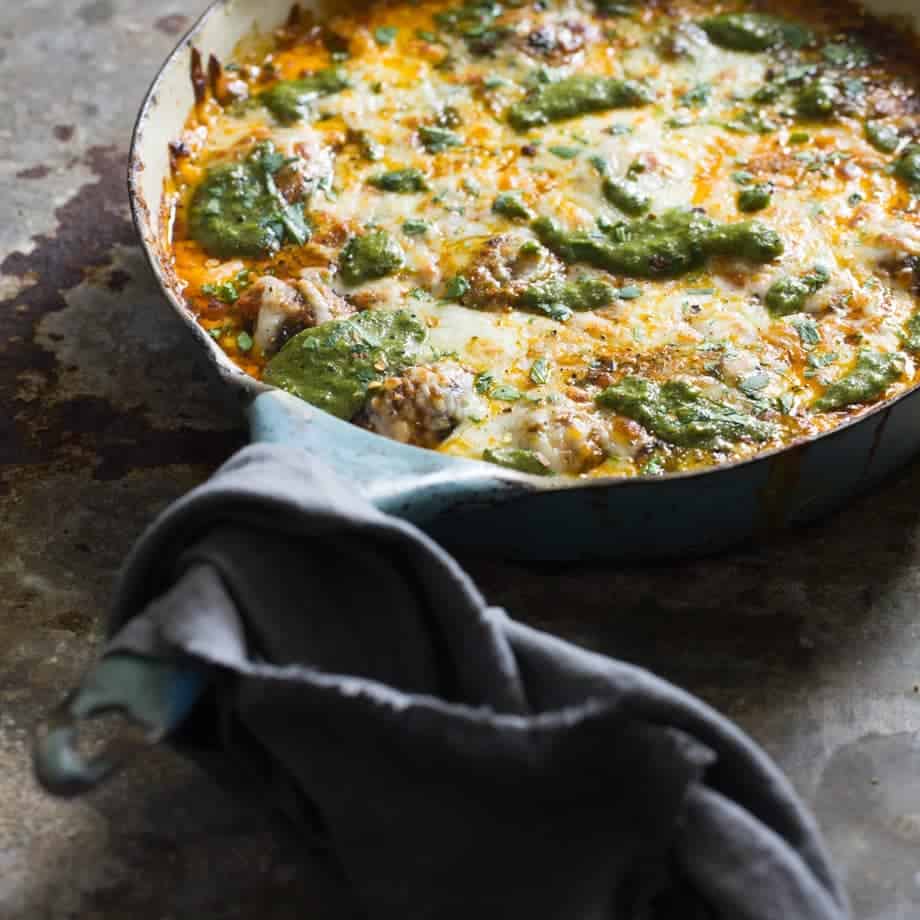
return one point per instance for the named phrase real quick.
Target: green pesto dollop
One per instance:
(509, 204)
(332, 365)
(237, 210)
(755, 197)
(672, 244)
(817, 100)
(755, 32)
(677, 412)
(626, 196)
(475, 22)
(883, 137)
(406, 181)
(366, 258)
(907, 167)
(789, 294)
(582, 294)
(437, 140)
(872, 374)
(291, 100)
(911, 336)
(517, 458)
(576, 95)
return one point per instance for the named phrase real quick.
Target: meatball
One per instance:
(282, 308)
(505, 267)
(556, 42)
(423, 405)
(573, 440)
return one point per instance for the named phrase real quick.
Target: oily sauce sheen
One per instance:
(573, 238)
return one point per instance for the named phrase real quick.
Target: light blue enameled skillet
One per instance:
(462, 502)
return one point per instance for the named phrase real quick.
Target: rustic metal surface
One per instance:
(811, 643)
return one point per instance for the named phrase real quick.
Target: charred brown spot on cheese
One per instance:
(224, 89)
(557, 42)
(199, 80)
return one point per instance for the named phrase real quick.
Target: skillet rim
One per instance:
(247, 388)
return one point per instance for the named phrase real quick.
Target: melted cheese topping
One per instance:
(836, 202)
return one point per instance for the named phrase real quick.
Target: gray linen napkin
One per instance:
(453, 762)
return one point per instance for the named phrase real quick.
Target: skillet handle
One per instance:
(148, 694)
(154, 695)
(408, 482)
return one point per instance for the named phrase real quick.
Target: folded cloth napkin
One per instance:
(453, 763)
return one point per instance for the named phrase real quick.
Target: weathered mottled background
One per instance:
(811, 643)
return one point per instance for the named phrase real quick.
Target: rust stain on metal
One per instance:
(34, 172)
(173, 24)
(85, 432)
(876, 442)
(783, 474)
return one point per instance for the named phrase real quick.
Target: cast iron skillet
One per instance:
(479, 505)
(461, 501)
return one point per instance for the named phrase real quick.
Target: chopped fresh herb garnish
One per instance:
(404, 181)
(754, 383)
(564, 153)
(807, 328)
(228, 291)
(484, 381)
(506, 393)
(817, 360)
(456, 288)
(907, 167)
(244, 341)
(799, 137)
(755, 197)
(847, 55)
(509, 204)
(883, 137)
(385, 35)
(654, 466)
(371, 150)
(539, 371)
(817, 100)
(697, 96)
(475, 22)
(630, 292)
(437, 140)
(751, 122)
(517, 458)
(414, 227)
